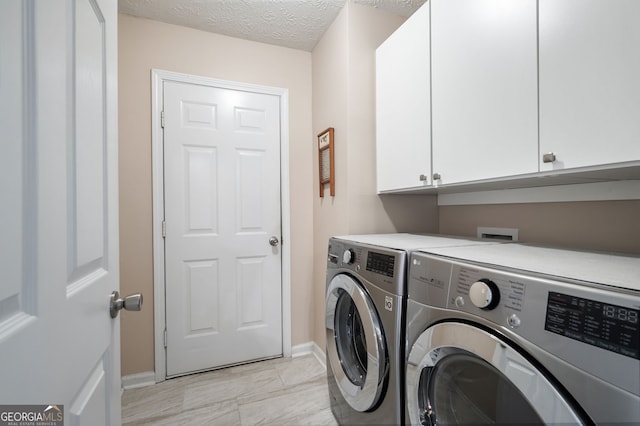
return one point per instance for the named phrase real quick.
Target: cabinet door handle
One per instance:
(549, 157)
(436, 176)
(423, 178)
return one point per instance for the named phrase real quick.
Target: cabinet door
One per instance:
(403, 106)
(484, 88)
(589, 82)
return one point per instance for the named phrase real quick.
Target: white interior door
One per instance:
(58, 214)
(222, 206)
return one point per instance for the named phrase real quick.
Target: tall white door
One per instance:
(222, 208)
(59, 208)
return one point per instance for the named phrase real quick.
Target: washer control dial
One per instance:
(348, 256)
(484, 294)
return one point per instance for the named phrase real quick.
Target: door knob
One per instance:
(129, 303)
(274, 241)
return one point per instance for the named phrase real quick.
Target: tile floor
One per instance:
(283, 391)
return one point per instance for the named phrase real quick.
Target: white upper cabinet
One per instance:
(484, 89)
(499, 92)
(403, 106)
(589, 82)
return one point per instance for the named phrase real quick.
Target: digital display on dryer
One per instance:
(380, 263)
(611, 327)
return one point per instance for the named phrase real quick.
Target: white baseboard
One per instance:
(309, 348)
(139, 380)
(302, 349)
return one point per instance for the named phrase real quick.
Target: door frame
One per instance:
(158, 77)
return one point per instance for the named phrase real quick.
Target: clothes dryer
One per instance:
(514, 334)
(365, 317)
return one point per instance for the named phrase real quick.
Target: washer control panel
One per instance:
(499, 298)
(381, 263)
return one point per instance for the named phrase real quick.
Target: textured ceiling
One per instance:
(297, 24)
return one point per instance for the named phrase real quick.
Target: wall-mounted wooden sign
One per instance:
(325, 157)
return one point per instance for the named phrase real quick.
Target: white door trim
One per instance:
(157, 78)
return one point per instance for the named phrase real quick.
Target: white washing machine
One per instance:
(513, 334)
(365, 305)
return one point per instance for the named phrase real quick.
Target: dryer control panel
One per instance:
(604, 325)
(583, 323)
(586, 324)
(517, 301)
(497, 297)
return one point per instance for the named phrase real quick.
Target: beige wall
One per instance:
(594, 225)
(145, 44)
(343, 70)
(344, 98)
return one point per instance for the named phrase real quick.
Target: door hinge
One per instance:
(165, 338)
(164, 229)
(162, 119)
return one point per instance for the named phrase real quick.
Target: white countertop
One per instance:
(617, 270)
(410, 242)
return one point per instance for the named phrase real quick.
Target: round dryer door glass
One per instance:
(350, 339)
(355, 343)
(461, 374)
(464, 389)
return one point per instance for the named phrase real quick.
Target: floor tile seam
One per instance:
(245, 376)
(204, 404)
(145, 418)
(143, 399)
(288, 418)
(179, 408)
(303, 382)
(149, 420)
(281, 386)
(187, 411)
(291, 386)
(260, 396)
(287, 390)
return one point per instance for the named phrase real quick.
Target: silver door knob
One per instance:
(129, 303)
(274, 241)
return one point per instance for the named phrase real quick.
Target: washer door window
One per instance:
(355, 343)
(459, 374)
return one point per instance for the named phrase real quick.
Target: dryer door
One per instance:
(355, 343)
(460, 374)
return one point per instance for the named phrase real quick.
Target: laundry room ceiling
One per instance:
(297, 24)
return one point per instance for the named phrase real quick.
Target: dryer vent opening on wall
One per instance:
(501, 234)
